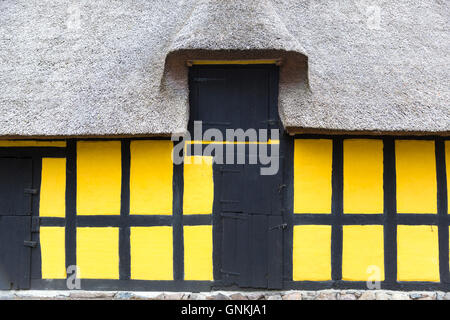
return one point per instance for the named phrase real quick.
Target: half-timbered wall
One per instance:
(128, 218)
(370, 208)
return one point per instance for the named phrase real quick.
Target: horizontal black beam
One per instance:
(368, 219)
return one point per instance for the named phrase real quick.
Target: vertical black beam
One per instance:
(71, 203)
(442, 207)
(288, 206)
(36, 272)
(390, 211)
(124, 233)
(177, 211)
(337, 208)
(217, 224)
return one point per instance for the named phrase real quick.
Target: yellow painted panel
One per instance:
(417, 253)
(53, 252)
(98, 177)
(31, 143)
(52, 201)
(98, 253)
(447, 163)
(198, 194)
(312, 175)
(363, 176)
(416, 176)
(151, 171)
(151, 253)
(198, 252)
(363, 248)
(312, 253)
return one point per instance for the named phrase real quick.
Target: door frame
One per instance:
(285, 153)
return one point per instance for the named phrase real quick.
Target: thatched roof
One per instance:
(109, 67)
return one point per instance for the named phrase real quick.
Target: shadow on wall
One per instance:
(294, 88)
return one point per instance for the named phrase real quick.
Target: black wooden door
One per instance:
(15, 222)
(247, 213)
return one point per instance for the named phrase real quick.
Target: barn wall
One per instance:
(366, 207)
(361, 208)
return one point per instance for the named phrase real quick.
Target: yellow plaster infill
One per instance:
(231, 142)
(416, 176)
(198, 253)
(151, 173)
(52, 201)
(363, 176)
(311, 254)
(312, 175)
(98, 252)
(417, 253)
(32, 143)
(198, 196)
(215, 62)
(53, 254)
(151, 253)
(363, 253)
(99, 177)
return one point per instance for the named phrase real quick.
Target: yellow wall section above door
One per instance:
(311, 258)
(53, 252)
(52, 201)
(98, 177)
(198, 252)
(213, 62)
(151, 171)
(447, 164)
(363, 176)
(416, 176)
(98, 253)
(32, 143)
(417, 253)
(363, 248)
(151, 253)
(312, 175)
(198, 193)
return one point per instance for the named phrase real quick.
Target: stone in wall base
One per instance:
(225, 295)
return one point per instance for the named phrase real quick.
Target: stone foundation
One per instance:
(226, 295)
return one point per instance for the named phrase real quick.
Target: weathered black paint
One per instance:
(390, 209)
(337, 208)
(36, 253)
(442, 208)
(389, 219)
(124, 231)
(14, 254)
(15, 222)
(177, 223)
(248, 206)
(71, 204)
(15, 179)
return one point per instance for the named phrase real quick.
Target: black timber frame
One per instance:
(389, 219)
(123, 221)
